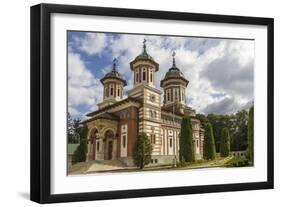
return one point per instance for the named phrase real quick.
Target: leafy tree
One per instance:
(72, 130)
(203, 119)
(209, 148)
(186, 151)
(81, 151)
(250, 150)
(225, 143)
(239, 131)
(142, 151)
(237, 125)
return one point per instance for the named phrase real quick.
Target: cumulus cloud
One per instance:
(92, 43)
(83, 87)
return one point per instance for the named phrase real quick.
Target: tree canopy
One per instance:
(236, 123)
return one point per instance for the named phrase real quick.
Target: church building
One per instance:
(114, 127)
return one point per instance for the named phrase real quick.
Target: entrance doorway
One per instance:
(110, 149)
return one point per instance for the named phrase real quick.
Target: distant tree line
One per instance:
(237, 125)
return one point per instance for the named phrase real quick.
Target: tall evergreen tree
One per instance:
(209, 147)
(142, 151)
(186, 151)
(225, 142)
(250, 149)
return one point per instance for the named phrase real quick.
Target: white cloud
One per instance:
(83, 87)
(92, 43)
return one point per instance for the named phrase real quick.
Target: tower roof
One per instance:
(144, 56)
(174, 73)
(113, 74)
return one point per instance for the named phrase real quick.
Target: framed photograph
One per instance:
(133, 103)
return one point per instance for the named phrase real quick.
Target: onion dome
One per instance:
(113, 74)
(174, 73)
(144, 56)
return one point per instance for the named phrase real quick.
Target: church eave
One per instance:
(162, 82)
(114, 78)
(144, 59)
(129, 99)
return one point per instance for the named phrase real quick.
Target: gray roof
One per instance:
(174, 73)
(114, 74)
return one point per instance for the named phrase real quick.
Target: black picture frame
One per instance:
(41, 102)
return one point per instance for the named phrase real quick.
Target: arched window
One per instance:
(118, 91)
(109, 134)
(144, 74)
(93, 135)
(124, 140)
(111, 90)
(168, 95)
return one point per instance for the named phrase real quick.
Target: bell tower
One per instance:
(144, 68)
(174, 85)
(113, 85)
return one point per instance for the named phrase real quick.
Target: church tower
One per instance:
(174, 85)
(113, 85)
(144, 68)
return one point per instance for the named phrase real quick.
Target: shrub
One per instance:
(238, 161)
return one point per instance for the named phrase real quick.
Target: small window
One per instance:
(137, 77)
(151, 77)
(111, 91)
(124, 140)
(197, 143)
(118, 92)
(168, 96)
(153, 138)
(171, 142)
(152, 98)
(156, 161)
(143, 75)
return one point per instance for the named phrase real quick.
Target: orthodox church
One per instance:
(114, 127)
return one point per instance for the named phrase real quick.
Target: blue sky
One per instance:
(220, 71)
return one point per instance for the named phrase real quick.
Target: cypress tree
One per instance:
(250, 149)
(142, 151)
(209, 147)
(225, 142)
(186, 151)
